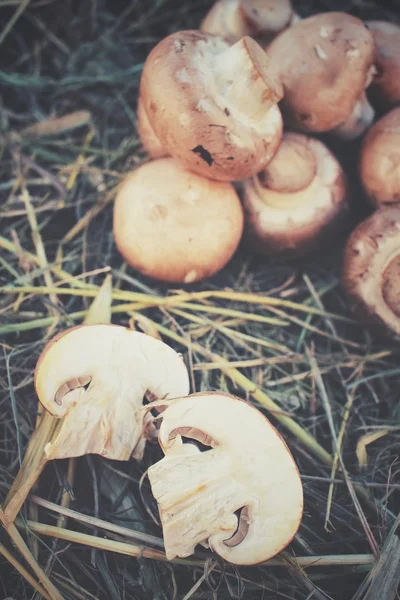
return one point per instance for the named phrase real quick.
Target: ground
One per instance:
(285, 328)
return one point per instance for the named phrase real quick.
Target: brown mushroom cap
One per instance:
(217, 124)
(149, 140)
(233, 19)
(247, 469)
(371, 269)
(325, 63)
(303, 203)
(174, 225)
(380, 160)
(384, 90)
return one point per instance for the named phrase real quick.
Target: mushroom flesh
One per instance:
(380, 160)
(298, 201)
(325, 63)
(150, 141)
(211, 105)
(371, 269)
(174, 225)
(95, 377)
(242, 497)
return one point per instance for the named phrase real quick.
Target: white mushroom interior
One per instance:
(95, 378)
(243, 496)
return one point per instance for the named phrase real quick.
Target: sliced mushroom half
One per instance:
(95, 377)
(242, 497)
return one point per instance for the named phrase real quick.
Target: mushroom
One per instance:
(174, 225)
(211, 105)
(150, 141)
(242, 496)
(233, 19)
(384, 90)
(325, 63)
(380, 160)
(94, 378)
(371, 269)
(298, 201)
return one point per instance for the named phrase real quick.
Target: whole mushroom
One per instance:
(211, 105)
(380, 160)
(325, 63)
(94, 378)
(298, 201)
(174, 225)
(233, 19)
(242, 496)
(384, 91)
(371, 269)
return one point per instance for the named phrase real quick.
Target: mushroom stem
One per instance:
(243, 67)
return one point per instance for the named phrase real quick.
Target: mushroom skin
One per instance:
(233, 19)
(247, 467)
(379, 164)
(298, 202)
(371, 270)
(213, 106)
(173, 225)
(384, 91)
(325, 63)
(150, 141)
(94, 378)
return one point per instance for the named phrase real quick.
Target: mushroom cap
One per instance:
(371, 269)
(174, 225)
(94, 377)
(384, 90)
(233, 19)
(226, 20)
(217, 124)
(306, 204)
(150, 141)
(325, 63)
(380, 160)
(247, 466)
(267, 16)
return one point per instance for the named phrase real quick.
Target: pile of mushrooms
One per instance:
(231, 116)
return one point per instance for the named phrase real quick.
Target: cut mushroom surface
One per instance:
(380, 160)
(242, 496)
(220, 114)
(174, 225)
(94, 377)
(371, 269)
(325, 63)
(298, 202)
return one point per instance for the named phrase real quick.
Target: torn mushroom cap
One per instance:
(217, 124)
(325, 63)
(233, 19)
(384, 90)
(371, 269)
(149, 140)
(248, 468)
(380, 160)
(95, 378)
(298, 201)
(174, 225)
